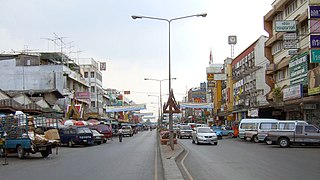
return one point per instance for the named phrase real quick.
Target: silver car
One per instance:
(204, 135)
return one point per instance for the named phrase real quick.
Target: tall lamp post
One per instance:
(159, 80)
(169, 22)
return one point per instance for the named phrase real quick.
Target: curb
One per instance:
(170, 167)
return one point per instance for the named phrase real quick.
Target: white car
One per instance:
(204, 135)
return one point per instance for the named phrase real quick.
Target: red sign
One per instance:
(83, 95)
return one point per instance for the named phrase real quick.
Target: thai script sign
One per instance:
(298, 69)
(314, 11)
(314, 41)
(292, 92)
(286, 26)
(314, 56)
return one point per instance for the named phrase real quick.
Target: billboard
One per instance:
(314, 11)
(298, 69)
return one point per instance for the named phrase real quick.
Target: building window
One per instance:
(91, 74)
(85, 74)
(277, 47)
(291, 7)
(93, 104)
(281, 75)
(304, 28)
(93, 89)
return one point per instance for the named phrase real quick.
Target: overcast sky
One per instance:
(136, 49)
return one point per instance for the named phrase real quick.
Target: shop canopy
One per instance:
(197, 105)
(136, 107)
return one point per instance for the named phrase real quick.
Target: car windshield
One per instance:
(204, 130)
(84, 130)
(95, 132)
(125, 127)
(185, 127)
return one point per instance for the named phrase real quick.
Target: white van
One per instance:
(251, 125)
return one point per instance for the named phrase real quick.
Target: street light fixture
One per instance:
(159, 80)
(169, 22)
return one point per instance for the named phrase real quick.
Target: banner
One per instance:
(197, 105)
(136, 107)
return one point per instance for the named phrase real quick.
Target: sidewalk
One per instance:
(168, 156)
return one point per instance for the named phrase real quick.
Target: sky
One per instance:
(136, 49)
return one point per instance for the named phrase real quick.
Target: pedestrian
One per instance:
(120, 134)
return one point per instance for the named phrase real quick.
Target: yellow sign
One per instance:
(314, 2)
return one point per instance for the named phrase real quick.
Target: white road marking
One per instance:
(184, 167)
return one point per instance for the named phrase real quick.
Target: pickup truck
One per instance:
(302, 134)
(24, 134)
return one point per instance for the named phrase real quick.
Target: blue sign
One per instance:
(314, 11)
(314, 56)
(314, 41)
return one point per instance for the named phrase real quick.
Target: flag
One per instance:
(210, 57)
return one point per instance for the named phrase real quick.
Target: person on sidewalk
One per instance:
(120, 134)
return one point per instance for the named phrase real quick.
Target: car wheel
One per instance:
(284, 142)
(219, 137)
(70, 143)
(1, 152)
(215, 143)
(255, 139)
(45, 153)
(99, 143)
(21, 152)
(269, 142)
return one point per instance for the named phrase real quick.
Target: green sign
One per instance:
(314, 56)
(298, 69)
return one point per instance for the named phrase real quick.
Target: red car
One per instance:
(104, 129)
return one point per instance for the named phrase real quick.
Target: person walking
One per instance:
(120, 134)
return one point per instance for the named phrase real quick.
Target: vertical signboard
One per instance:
(103, 66)
(298, 69)
(314, 81)
(314, 12)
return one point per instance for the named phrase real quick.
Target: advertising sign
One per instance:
(314, 11)
(314, 26)
(290, 44)
(220, 77)
(293, 92)
(232, 39)
(290, 36)
(210, 84)
(199, 94)
(314, 81)
(214, 68)
(83, 95)
(103, 66)
(298, 69)
(314, 2)
(314, 56)
(292, 51)
(286, 26)
(210, 77)
(314, 41)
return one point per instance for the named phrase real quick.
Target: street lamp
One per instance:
(159, 80)
(169, 22)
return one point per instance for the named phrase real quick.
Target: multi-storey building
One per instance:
(249, 87)
(93, 76)
(291, 50)
(52, 76)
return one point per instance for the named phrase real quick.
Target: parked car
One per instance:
(184, 131)
(103, 129)
(301, 134)
(98, 138)
(127, 131)
(251, 125)
(223, 131)
(204, 135)
(76, 135)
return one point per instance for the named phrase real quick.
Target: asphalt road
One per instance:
(134, 159)
(236, 159)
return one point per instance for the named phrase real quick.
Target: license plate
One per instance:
(84, 140)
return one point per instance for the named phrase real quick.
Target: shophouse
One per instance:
(293, 54)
